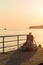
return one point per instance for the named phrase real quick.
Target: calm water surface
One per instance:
(38, 35)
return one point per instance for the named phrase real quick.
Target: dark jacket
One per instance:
(30, 37)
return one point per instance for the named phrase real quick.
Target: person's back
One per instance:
(30, 37)
(29, 45)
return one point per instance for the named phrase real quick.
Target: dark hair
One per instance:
(30, 33)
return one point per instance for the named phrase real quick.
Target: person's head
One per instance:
(30, 33)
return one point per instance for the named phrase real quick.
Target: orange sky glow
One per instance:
(20, 14)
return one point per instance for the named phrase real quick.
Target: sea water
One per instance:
(37, 33)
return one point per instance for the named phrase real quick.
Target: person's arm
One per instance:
(35, 41)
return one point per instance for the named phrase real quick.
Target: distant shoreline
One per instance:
(36, 27)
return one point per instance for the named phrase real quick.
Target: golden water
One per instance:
(37, 33)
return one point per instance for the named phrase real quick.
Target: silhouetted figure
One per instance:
(29, 44)
(39, 45)
(30, 37)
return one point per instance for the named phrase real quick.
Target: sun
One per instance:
(40, 11)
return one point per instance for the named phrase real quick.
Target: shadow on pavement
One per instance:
(19, 57)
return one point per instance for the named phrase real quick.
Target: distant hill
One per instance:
(36, 27)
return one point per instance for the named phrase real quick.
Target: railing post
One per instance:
(17, 41)
(3, 44)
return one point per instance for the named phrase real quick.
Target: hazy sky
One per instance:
(20, 14)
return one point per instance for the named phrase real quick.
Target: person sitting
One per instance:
(30, 37)
(31, 42)
(29, 45)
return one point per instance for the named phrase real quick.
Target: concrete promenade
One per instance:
(22, 58)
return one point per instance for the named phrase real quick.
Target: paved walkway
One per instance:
(22, 58)
(35, 59)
